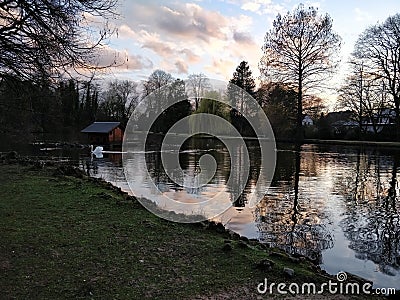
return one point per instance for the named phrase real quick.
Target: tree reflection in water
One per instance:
(316, 192)
(372, 220)
(290, 220)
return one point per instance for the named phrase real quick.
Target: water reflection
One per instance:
(338, 205)
(288, 218)
(372, 219)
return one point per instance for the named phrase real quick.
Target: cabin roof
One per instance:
(101, 127)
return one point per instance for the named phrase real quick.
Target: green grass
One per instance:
(64, 237)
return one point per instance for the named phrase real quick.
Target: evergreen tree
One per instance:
(89, 104)
(69, 99)
(243, 79)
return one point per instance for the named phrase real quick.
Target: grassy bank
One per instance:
(69, 237)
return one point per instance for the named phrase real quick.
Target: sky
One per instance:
(213, 36)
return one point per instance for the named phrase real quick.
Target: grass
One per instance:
(65, 237)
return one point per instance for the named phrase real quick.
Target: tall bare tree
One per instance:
(197, 85)
(350, 94)
(41, 38)
(379, 47)
(300, 51)
(365, 95)
(166, 101)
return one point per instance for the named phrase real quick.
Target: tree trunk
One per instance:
(391, 196)
(299, 127)
(397, 111)
(296, 210)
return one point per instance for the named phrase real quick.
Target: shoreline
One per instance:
(353, 143)
(254, 258)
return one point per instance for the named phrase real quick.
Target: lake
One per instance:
(338, 205)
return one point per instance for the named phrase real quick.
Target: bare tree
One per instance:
(365, 94)
(198, 84)
(300, 51)
(156, 80)
(40, 38)
(153, 86)
(119, 100)
(313, 106)
(379, 47)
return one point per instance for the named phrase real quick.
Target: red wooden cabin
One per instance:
(105, 133)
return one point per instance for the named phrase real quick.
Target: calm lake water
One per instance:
(338, 205)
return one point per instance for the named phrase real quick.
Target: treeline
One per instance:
(61, 110)
(372, 88)
(301, 51)
(40, 96)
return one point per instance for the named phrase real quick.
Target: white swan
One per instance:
(98, 151)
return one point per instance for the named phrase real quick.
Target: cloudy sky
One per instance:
(213, 36)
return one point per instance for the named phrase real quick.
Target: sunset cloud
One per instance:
(160, 47)
(190, 56)
(121, 60)
(262, 7)
(137, 62)
(185, 35)
(243, 38)
(191, 20)
(182, 67)
(176, 20)
(222, 67)
(213, 37)
(251, 6)
(124, 31)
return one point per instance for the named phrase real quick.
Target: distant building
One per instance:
(386, 118)
(346, 115)
(104, 133)
(307, 121)
(342, 124)
(346, 124)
